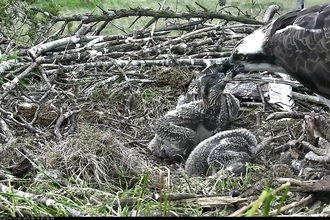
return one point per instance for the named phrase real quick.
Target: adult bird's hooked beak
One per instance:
(232, 68)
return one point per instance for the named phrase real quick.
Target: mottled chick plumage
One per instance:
(194, 91)
(179, 131)
(229, 149)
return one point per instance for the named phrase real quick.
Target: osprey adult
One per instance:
(297, 43)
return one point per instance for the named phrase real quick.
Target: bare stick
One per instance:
(60, 120)
(280, 115)
(8, 134)
(270, 12)
(11, 85)
(9, 116)
(293, 204)
(156, 20)
(308, 98)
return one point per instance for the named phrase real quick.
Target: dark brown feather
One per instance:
(315, 17)
(304, 53)
(284, 21)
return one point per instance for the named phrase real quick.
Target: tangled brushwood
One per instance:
(80, 96)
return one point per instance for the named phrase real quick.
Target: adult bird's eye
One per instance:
(241, 57)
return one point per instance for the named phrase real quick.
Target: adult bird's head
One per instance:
(252, 53)
(297, 43)
(212, 87)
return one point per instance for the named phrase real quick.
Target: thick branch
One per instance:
(121, 13)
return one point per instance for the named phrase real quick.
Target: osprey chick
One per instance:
(297, 43)
(229, 149)
(179, 131)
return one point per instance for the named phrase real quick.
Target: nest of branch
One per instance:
(84, 104)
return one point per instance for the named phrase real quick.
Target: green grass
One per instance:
(68, 8)
(253, 8)
(266, 197)
(80, 6)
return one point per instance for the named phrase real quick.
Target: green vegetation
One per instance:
(81, 6)
(266, 197)
(177, 4)
(37, 22)
(92, 172)
(252, 8)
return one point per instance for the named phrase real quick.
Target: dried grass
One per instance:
(95, 156)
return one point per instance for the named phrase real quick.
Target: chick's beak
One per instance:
(227, 64)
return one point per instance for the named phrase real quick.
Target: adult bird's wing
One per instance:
(301, 44)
